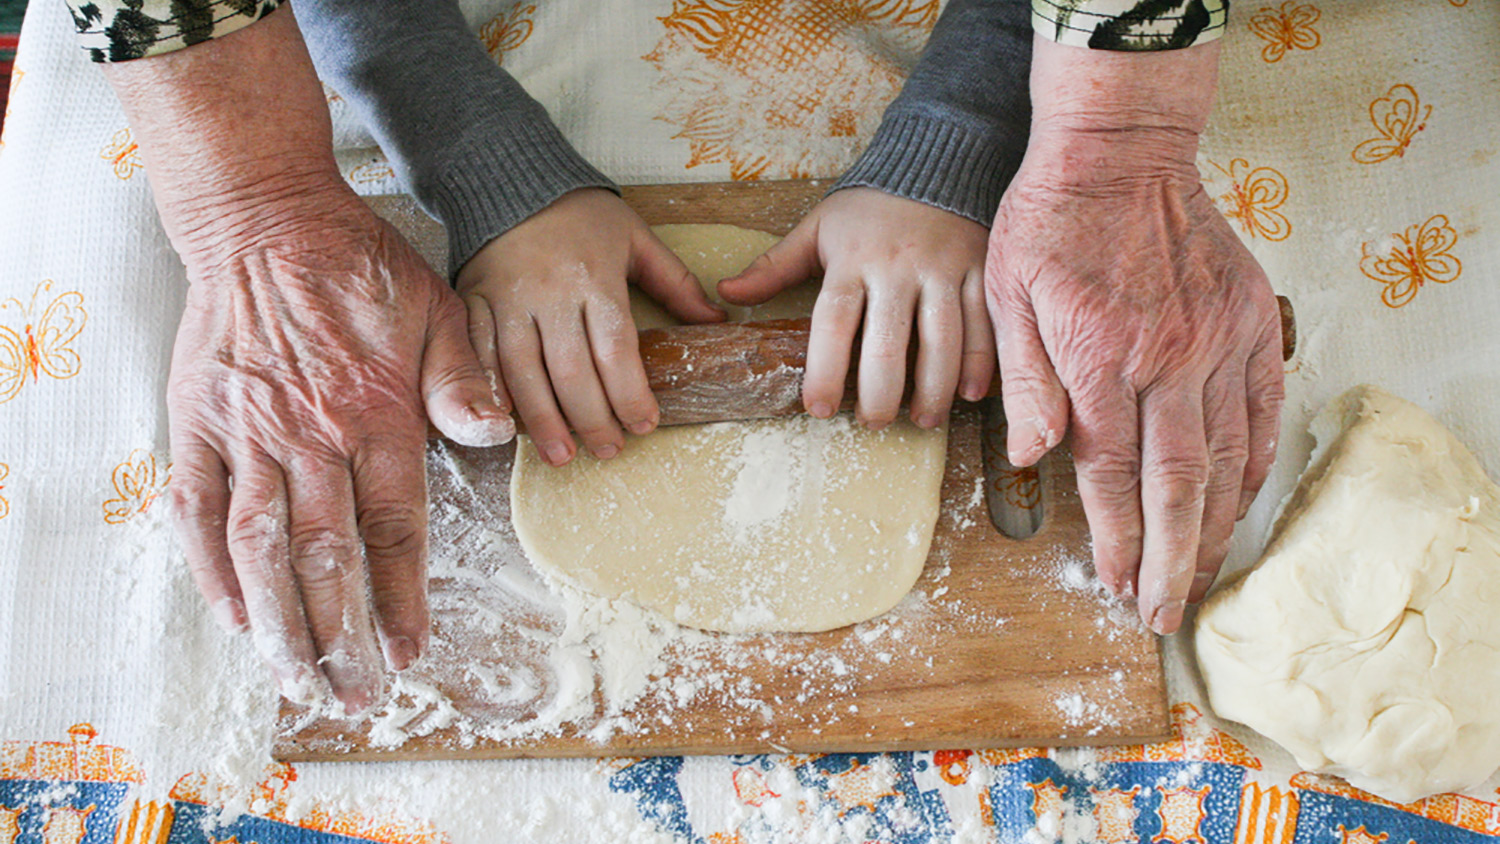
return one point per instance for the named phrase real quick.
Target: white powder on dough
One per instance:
(764, 471)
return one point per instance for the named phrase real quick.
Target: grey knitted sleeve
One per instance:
(464, 137)
(956, 134)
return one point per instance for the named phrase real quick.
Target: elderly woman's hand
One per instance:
(314, 345)
(1128, 311)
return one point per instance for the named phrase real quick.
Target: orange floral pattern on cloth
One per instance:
(78, 759)
(1398, 117)
(39, 346)
(1254, 199)
(1287, 28)
(765, 85)
(507, 30)
(1410, 259)
(137, 486)
(371, 172)
(123, 154)
(273, 800)
(4, 505)
(1458, 810)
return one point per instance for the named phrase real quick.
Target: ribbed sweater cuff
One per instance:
(941, 163)
(499, 179)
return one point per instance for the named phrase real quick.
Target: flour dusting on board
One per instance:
(517, 656)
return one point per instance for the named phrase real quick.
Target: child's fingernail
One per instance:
(927, 420)
(645, 426)
(820, 409)
(556, 454)
(606, 451)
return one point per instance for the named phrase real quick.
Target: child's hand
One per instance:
(886, 261)
(550, 319)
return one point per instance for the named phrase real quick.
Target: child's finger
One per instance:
(575, 383)
(979, 355)
(482, 337)
(655, 269)
(882, 354)
(617, 356)
(791, 261)
(835, 319)
(520, 348)
(940, 325)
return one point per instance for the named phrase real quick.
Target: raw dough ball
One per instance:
(774, 525)
(1366, 640)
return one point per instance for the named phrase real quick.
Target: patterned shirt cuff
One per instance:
(1130, 25)
(122, 30)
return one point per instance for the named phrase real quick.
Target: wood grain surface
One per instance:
(1003, 643)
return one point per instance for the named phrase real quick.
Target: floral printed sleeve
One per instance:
(121, 30)
(1131, 25)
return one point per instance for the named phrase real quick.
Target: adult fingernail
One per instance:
(1201, 581)
(1247, 497)
(304, 687)
(606, 451)
(645, 426)
(401, 653)
(556, 453)
(1167, 618)
(229, 614)
(820, 409)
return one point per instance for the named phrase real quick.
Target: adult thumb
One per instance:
(455, 390)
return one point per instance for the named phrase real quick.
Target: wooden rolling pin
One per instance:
(753, 370)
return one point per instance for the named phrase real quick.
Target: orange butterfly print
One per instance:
(1398, 117)
(371, 172)
(505, 32)
(136, 487)
(41, 346)
(1287, 28)
(4, 505)
(123, 153)
(1415, 257)
(1253, 199)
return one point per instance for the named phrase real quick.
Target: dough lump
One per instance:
(793, 524)
(1367, 640)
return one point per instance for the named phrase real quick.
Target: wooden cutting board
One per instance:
(1004, 642)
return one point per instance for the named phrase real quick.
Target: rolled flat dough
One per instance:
(1367, 640)
(773, 525)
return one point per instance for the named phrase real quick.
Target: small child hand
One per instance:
(549, 317)
(886, 262)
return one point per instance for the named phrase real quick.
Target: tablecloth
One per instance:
(1355, 147)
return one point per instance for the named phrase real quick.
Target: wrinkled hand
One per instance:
(886, 262)
(549, 316)
(302, 367)
(311, 340)
(1129, 311)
